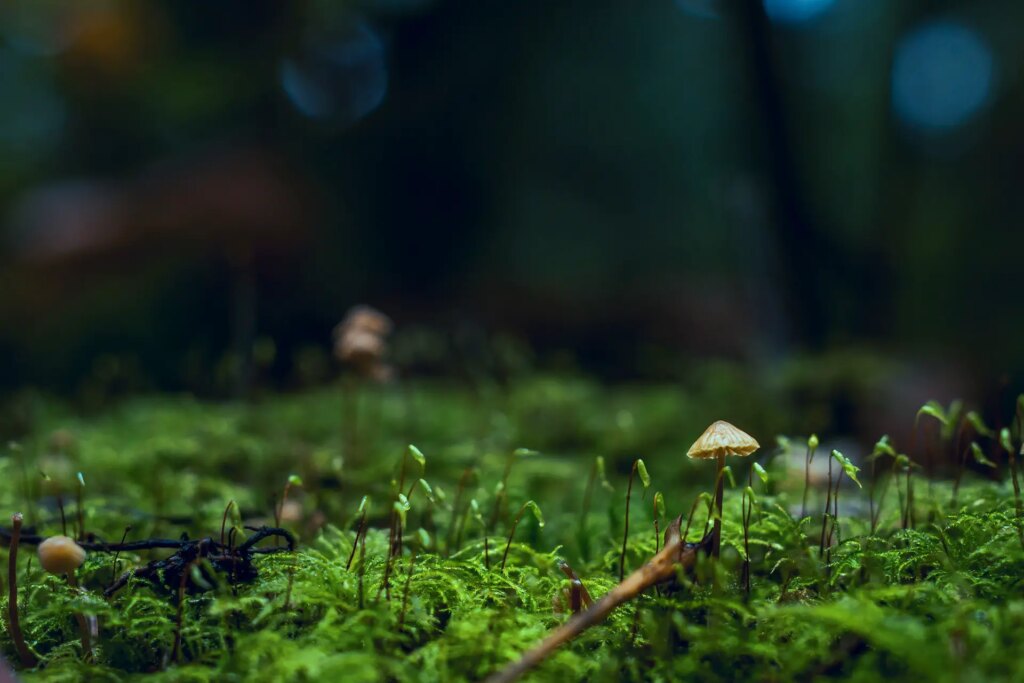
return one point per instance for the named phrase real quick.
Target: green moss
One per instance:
(940, 602)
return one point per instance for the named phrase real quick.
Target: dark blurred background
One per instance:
(625, 188)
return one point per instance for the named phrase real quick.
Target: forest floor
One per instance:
(925, 591)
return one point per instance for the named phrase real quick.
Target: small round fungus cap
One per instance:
(60, 555)
(367, 319)
(360, 347)
(721, 439)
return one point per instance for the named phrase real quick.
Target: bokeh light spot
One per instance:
(341, 80)
(942, 75)
(792, 11)
(33, 116)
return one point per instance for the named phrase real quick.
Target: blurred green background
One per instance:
(624, 188)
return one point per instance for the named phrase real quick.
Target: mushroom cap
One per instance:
(364, 318)
(359, 347)
(722, 438)
(291, 511)
(60, 555)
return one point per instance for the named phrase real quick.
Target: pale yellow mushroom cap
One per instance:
(722, 438)
(60, 555)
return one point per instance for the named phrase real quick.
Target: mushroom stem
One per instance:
(716, 549)
(83, 623)
(28, 660)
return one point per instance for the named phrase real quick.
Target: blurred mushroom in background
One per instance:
(360, 343)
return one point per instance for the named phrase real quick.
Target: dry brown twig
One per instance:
(676, 555)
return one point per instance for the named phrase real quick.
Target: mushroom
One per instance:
(61, 555)
(360, 348)
(360, 342)
(719, 440)
(365, 318)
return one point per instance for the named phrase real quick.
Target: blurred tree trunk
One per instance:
(802, 250)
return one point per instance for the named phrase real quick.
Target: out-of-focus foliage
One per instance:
(616, 192)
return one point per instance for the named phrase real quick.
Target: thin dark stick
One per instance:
(828, 504)
(657, 535)
(808, 459)
(835, 513)
(871, 496)
(224, 520)
(394, 513)
(117, 553)
(386, 582)
(361, 529)
(395, 527)
(895, 476)
(405, 590)
(909, 502)
(28, 660)
(362, 570)
(748, 509)
(834, 526)
(511, 534)
(719, 496)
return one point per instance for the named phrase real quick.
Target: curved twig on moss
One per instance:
(676, 555)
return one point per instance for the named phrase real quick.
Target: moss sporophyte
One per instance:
(171, 566)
